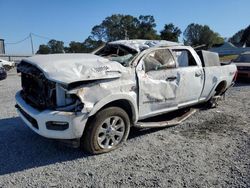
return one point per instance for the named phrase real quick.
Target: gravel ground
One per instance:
(210, 149)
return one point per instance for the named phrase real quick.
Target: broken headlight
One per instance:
(72, 104)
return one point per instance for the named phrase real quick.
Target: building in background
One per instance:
(229, 49)
(2, 46)
(10, 57)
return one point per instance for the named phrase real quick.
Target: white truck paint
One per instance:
(148, 78)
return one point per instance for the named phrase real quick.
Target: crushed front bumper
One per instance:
(40, 121)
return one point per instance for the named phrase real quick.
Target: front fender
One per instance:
(130, 97)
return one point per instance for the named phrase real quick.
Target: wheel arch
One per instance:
(126, 102)
(221, 87)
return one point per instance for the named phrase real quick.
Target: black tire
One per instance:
(98, 128)
(212, 103)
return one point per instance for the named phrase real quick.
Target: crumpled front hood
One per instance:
(69, 68)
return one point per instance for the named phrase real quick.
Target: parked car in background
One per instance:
(3, 73)
(7, 64)
(243, 65)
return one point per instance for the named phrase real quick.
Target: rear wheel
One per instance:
(106, 131)
(212, 103)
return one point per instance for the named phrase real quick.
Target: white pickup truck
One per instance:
(96, 98)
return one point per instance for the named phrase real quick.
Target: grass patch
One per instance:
(227, 58)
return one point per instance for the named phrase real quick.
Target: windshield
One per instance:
(119, 53)
(243, 58)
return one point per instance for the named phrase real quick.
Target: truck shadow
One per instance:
(22, 149)
(242, 83)
(135, 132)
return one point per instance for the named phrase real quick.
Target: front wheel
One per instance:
(106, 131)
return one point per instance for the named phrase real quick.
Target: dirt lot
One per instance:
(211, 149)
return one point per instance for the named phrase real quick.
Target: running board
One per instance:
(168, 123)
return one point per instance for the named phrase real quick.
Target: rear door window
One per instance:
(184, 58)
(158, 60)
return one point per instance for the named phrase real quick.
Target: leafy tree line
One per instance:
(118, 27)
(241, 38)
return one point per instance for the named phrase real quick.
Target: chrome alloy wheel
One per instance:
(111, 132)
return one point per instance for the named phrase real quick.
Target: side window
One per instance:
(184, 58)
(158, 60)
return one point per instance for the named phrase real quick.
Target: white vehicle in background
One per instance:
(7, 64)
(95, 98)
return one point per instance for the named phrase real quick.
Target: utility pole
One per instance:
(31, 41)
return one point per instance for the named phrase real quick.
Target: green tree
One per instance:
(52, 47)
(99, 33)
(236, 38)
(43, 49)
(147, 28)
(56, 46)
(170, 32)
(91, 44)
(196, 35)
(118, 27)
(75, 47)
(245, 39)
(115, 27)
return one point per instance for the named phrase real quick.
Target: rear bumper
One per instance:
(38, 121)
(243, 74)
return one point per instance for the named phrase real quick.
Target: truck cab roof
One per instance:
(140, 44)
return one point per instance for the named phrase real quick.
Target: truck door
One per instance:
(191, 77)
(158, 83)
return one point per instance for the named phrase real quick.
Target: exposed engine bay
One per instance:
(42, 93)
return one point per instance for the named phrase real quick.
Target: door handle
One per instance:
(197, 74)
(171, 78)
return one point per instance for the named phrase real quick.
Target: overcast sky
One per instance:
(73, 20)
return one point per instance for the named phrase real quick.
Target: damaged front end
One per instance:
(44, 94)
(61, 91)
